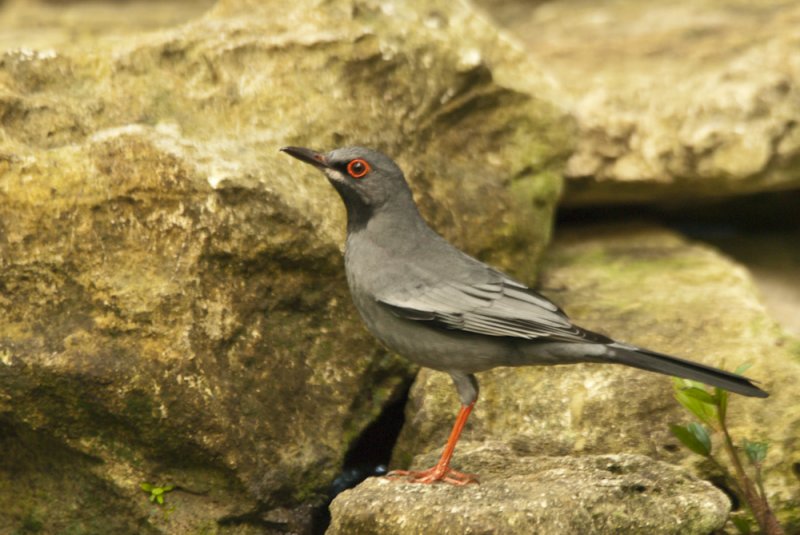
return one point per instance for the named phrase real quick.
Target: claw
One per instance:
(434, 475)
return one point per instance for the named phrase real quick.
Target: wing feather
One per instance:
(497, 307)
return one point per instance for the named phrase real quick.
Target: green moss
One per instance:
(31, 523)
(46, 487)
(139, 405)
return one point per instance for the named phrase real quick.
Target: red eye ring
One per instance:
(358, 168)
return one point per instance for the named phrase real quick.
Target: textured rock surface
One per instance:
(172, 302)
(521, 494)
(673, 99)
(650, 287)
(43, 24)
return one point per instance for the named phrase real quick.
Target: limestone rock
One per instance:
(58, 24)
(647, 286)
(173, 307)
(593, 494)
(673, 99)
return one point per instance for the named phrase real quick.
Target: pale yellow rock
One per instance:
(522, 494)
(707, 93)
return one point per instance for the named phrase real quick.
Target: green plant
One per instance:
(156, 492)
(711, 409)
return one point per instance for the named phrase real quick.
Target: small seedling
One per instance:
(711, 409)
(156, 492)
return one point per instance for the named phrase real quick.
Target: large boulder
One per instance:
(674, 99)
(173, 308)
(647, 286)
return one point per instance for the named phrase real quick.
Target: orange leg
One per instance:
(442, 470)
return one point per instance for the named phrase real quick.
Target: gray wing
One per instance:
(498, 306)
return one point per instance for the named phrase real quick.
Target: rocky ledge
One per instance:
(527, 494)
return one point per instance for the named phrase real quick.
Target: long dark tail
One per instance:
(669, 365)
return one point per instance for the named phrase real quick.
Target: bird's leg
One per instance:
(442, 471)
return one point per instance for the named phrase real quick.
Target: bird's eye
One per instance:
(358, 168)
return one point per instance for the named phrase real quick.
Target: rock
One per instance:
(482, 114)
(60, 24)
(650, 287)
(537, 494)
(673, 100)
(173, 308)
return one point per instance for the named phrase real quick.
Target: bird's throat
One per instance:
(359, 211)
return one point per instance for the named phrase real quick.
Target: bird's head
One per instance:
(367, 180)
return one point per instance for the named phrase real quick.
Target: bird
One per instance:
(428, 301)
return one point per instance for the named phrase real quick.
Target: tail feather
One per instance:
(669, 365)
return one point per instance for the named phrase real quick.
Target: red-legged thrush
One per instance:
(445, 310)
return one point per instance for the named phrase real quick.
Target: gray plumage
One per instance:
(445, 310)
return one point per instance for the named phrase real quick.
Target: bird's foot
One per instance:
(438, 473)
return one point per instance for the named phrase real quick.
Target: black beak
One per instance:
(317, 159)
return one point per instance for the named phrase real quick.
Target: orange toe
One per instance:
(436, 474)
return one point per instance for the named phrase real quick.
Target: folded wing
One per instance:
(497, 306)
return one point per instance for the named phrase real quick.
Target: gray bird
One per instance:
(445, 310)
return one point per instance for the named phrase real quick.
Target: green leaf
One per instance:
(743, 368)
(688, 383)
(700, 395)
(742, 525)
(690, 438)
(147, 487)
(756, 451)
(701, 434)
(169, 488)
(152, 497)
(160, 499)
(703, 411)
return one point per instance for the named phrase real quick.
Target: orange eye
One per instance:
(358, 168)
